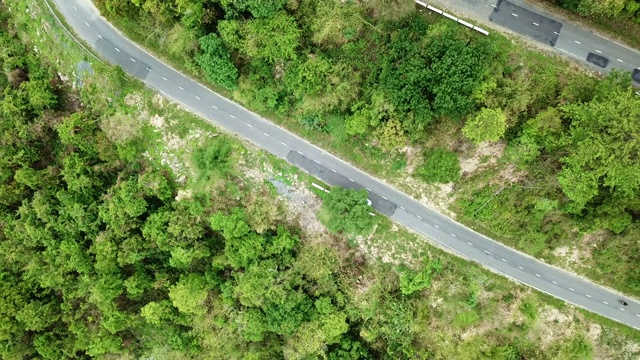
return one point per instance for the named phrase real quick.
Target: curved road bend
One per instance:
(114, 47)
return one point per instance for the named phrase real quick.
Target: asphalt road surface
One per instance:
(113, 47)
(568, 39)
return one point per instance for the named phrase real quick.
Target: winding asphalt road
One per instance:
(112, 46)
(586, 46)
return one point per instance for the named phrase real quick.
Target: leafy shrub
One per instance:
(440, 166)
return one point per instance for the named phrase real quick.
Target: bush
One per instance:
(440, 166)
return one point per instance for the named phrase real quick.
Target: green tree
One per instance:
(345, 210)
(486, 125)
(216, 62)
(601, 171)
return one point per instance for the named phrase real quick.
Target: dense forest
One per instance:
(372, 79)
(105, 253)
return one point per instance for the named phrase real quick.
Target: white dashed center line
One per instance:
(536, 24)
(215, 107)
(265, 134)
(232, 116)
(619, 60)
(520, 267)
(503, 260)
(317, 162)
(576, 41)
(132, 59)
(555, 282)
(557, 33)
(368, 189)
(538, 275)
(436, 226)
(198, 97)
(118, 50)
(86, 23)
(622, 309)
(571, 289)
(249, 125)
(599, 52)
(588, 295)
(486, 252)
(165, 79)
(100, 37)
(283, 143)
(74, 8)
(516, 15)
(469, 243)
(350, 179)
(334, 170)
(384, 197)
(605, 302)
(454, 235)
(181, 88)
(419, 217)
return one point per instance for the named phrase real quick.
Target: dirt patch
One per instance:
(551, 325)
(569, 256)
(485, 154)
(512, 174)
(133, 99)
(302, 204)
(414, 157)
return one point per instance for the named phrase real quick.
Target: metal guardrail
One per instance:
(447, 15)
